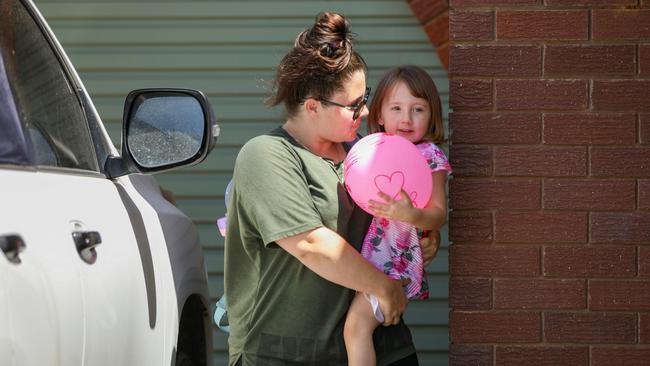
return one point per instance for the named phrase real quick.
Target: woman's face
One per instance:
(336, 123)
(404, 114)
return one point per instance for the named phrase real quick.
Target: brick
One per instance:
(546, 25)
(495, 128)
(644, 127)
(487, 260)
(470, 160)
(590, 60)
(644, 59)
(620, 162)
(541, 94)
(589, 261)
(620, 227)
(619, 295)
(461, 3)
(596, 328)
(495, 60)
(437, 29)
(462, 355)
(470, 94)
(424, 10)
(644, 261)
(589, 128)
(620, 95)
(644, 328)
(510, 327)
(489, 194)
(589, 194)
(616, 355)
(540, 161)
(620, 24)
(604, 3)
(541, 227)
(470, 293)
(644, 194)
(542, 356)
(471, 25)
(470, 227)
(539, 294)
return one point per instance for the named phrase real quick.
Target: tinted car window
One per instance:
(13, 148)
(52, 119)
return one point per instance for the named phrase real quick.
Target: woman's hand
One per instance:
(393, 301)
(400, 210)
(429, 246)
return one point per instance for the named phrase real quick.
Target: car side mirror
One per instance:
(164, 129)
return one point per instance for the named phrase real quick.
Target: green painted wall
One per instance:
(227, 49)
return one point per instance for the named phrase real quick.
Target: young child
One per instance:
(406, 103)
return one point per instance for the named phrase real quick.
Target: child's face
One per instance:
(404, 114)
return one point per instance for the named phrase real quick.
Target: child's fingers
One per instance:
(385, 197)
(405, 196)
(374, 205)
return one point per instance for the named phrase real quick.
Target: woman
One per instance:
(291, 259)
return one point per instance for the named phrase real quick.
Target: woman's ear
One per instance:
(311, 107)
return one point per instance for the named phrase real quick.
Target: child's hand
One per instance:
(400, 210)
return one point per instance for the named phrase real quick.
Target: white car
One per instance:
(97, 268)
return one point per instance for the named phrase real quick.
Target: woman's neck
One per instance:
(314, 143)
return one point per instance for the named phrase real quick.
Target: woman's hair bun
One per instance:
(330, 39)
(321, 61)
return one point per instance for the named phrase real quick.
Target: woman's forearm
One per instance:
(331, 257)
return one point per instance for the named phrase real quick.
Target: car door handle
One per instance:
(12, 245)
(85, 242)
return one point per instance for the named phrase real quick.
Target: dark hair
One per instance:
(321, 60)
(421, 86)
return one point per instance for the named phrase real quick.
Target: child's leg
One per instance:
(360, 323)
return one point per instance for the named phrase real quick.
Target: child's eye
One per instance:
(418, 109)
(395, 108)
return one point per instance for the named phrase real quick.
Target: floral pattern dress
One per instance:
(394, 246)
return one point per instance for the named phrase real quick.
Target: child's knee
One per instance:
(355, 327)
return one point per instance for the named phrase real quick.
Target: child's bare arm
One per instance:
(431, 217)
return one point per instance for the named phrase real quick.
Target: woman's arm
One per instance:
(431, 217)
(430, 245)
(331, 257)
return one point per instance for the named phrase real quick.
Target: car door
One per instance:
(41, 314)
(41, 285)
(80, 295)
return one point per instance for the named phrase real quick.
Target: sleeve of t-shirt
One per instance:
(272, 191)
(436, 158)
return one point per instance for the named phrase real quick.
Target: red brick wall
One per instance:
(550, 142)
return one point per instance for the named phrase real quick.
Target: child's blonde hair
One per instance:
(421, 86)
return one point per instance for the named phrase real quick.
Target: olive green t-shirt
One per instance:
(280, 312)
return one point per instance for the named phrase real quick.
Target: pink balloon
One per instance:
(387, 163)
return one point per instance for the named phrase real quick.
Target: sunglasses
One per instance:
(357, 108)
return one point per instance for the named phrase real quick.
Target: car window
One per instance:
(13, 147)
(53, 122)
